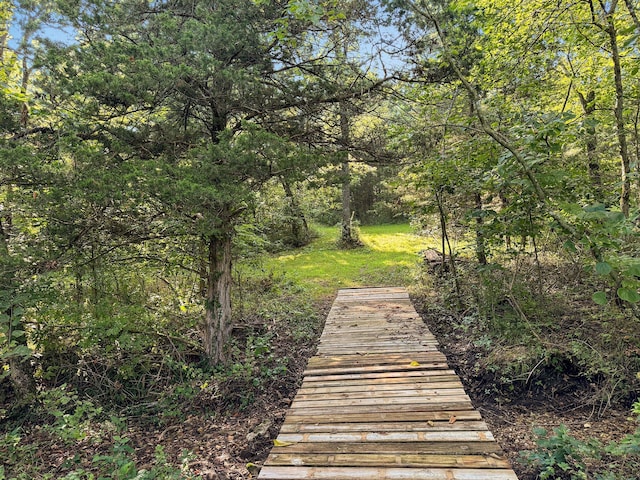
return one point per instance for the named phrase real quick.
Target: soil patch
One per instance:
(556, 398)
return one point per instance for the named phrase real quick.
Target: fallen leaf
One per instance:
(430, 423)
(259, 431)
(280, 443)
(253, 469)
(414, 364)
(452, 419)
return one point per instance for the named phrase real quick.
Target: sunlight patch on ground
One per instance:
(389, 257)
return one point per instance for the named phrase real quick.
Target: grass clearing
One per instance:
(389, 257)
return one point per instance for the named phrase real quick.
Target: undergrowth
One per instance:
(82, 411)
(562, 456)
(534, 329)
(527, 336)
(131, 363)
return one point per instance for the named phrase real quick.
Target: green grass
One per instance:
(389, 258)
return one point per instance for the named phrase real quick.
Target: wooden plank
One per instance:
(383, 436)
(383, 340)
(373, 297)
(364, 348)
(382, 473)
(369, 416)
(408, 426)
(363, 338)
(404, 342)
(386, 340)
(396, 392)
(416, 448)
(364, 360)
(376, 317)
(396, 345)
(359, 347)
(359, 335)
(369, 322)
(376, 368)
(424, 375)
(380, 384)
(365, 292)
(382, 460)
(387, 333)
(380, 401)
(370, 386)
(370, 356)
(388, 408)
(395, 357)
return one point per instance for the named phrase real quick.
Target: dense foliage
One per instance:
(148, 146)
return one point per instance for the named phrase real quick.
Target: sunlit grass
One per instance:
(389, 257)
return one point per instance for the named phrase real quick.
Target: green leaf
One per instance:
(597, 207)
(634, 270)
(600, 298)
(628, 295)
(603, 268)
(570, 246)
(630, 41)
(22, 351)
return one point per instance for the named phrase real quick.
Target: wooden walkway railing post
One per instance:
(378, 401)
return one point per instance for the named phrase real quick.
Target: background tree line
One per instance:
(138, 159)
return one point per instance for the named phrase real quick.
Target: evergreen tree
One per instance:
(183, 109)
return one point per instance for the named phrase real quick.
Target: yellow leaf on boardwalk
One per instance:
(414, 364)
(280, 443)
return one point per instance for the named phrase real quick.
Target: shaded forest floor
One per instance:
(513, 416)
(523, 371)
(218, 434)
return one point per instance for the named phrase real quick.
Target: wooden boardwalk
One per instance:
(379, 401)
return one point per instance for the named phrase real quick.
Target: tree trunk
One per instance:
(445, 240)
(217, 325)
(298, 222)
(481, 251)
(24, 108)
(345, 235)
(636, 142)
(504, 203)
(634, 15)
(625, 193)
(20, 368)
(3, 40)
(589, 107)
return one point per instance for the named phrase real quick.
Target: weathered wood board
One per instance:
(379, 401)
